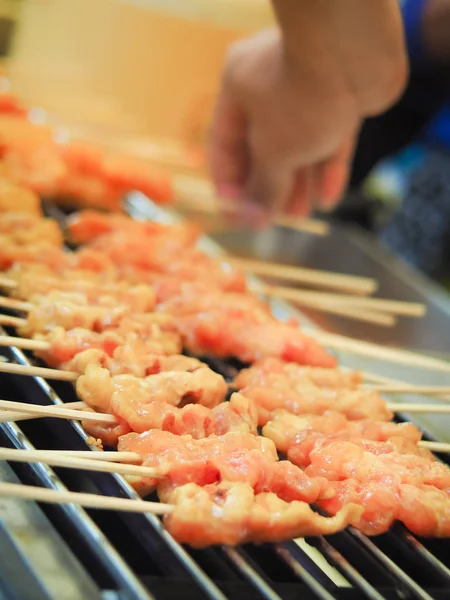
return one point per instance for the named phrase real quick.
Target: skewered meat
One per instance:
(236, 515)
(279, 393)
(65, 345)
(77, 172)
(24, 228)
(129, 397)
(133, 299)
(11, 253)
(16, 198)
(140, 258)
(381, 483)
(239, 325)
(35, 279)
(237, 415)
(88, 225)
(346, 460)
(132, 359)
(298, 435)
(77, 314)
(104, 178)
(424, 509)
(233, 457)
(320, 377)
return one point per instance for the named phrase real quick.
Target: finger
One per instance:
(228, 147)
(333, 176)
(299, 204)
(268, 186)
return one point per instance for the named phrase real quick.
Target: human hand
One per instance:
(283, 134)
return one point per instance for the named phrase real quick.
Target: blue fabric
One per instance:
(412, 11)
(438, 130)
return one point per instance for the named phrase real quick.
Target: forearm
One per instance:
(436, 30)
(366, 38)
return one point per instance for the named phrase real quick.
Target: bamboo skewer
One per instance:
(72, 462)
(54, 411)
(408, 309)
(327, 279)
(32, 371)
(15, 304)
(6, 282)
(351, 312)
(24, 343)
(441, 409)
(196, 194)
(313, 226)
(97, 455)
(12, 321)
(12, 415)
(420, 390)
(361, 348)
(435, 446)
(29, 492)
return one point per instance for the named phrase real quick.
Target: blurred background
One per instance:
(142, 75)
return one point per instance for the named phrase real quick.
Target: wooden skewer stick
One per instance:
(313, 226)
(387, 381)
(420, 390)
(418, 408)
(435, 446)
(6, 282)
(350, 312)
(24, 343)
(54, 411)
(12, 321)
(15, 304)
(326, 279)
(408, 309)
(14, 416)
(32, 371)
(72, 462)
(100, 455)
(196, 194)
(29, 492)
(382, 353)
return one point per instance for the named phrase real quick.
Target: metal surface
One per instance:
(137, 558)
(353, 252)
(35, 557)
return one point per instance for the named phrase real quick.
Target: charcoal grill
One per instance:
(66, 552)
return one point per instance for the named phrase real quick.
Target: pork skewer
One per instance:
(234, 513)
(23, 280)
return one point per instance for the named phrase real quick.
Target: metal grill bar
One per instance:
(390, 565)
(250, 574)
(303, 574)
(98, 544)
(443, 571)
(350, 572)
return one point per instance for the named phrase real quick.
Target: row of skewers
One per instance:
(115, 315)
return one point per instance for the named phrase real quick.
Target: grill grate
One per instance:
(133, 557)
